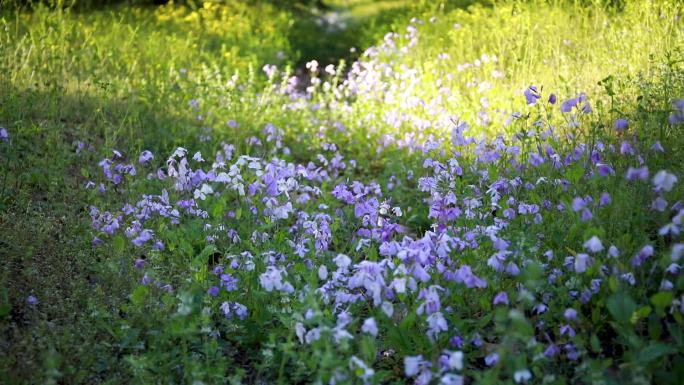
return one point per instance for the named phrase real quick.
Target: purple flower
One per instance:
(230, 308)
(145, 157)
(240, 310)
(465, 275)
(31, 300)
(512, 269)
(673, 268)
(626, 148)
(567, 329)
(501, 298)
(432, 302)
(659, 204)
(666, 285)
(492, 359)
(567, 105)
(578, 204)
(552, 99)
(604, 169)
(570, 314)
(640, 173)
(604, 199)
(229, 282)
(139, 263)
(96, 242)
(642, 256)
(213, 291)
(500, 244)
(456, 341)
(551, 351)
(531, 95)
(581, 262)
(621, 124)
(535, 159)
(4, 135)
(657, 147)
(142, 238)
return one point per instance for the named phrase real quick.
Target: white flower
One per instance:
(677, 251)
(342, 261)
(370, 327)
(300, 330)
(456, 360)
(613, 251)
(387, 308)
(223, 177)
(399, 285)
(664, 181)
(313, 335)
(179, 153)
(201, 193)
(451, 379)
(272, 280)
(436, 324)
(365, 372)
(341, 334)
(412, 365)
(322, 272)
(522, 376)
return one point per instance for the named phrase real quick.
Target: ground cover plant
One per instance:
(489, 193)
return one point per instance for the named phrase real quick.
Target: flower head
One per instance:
(621, 124)
(664, 181)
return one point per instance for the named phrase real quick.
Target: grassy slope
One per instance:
(105, 78)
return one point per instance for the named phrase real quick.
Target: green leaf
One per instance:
(641, 313)
(139, 294)
(118, 243)
(368, 348)
(574, 173)
(655, 350)
(621, 306)
(595, 343)
(217, 210)
(5, 310)
(662, 299)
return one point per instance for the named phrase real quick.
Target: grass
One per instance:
(79, 84)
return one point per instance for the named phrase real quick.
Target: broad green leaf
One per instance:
(139, 294)
(621, 306)
(662, 299)
(655, 350)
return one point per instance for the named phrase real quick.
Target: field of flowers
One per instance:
(477, 193)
